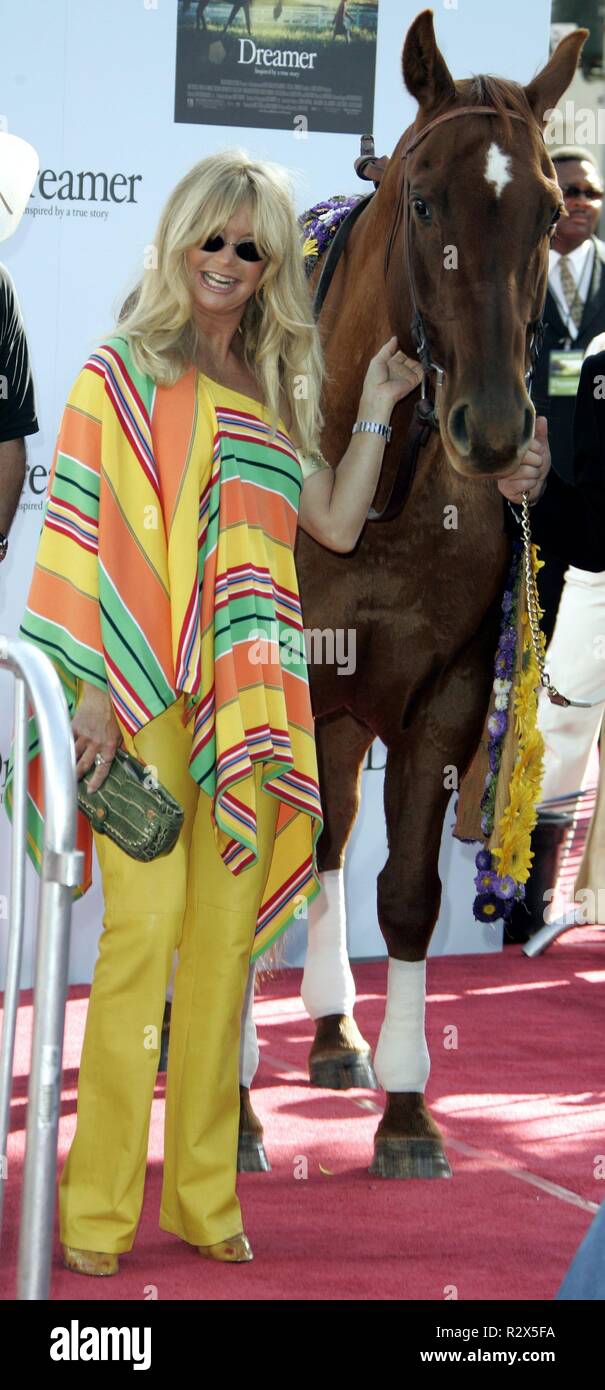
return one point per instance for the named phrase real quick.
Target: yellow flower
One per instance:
(527, 799)
(514, 853)
(534, 751)
(514, 856)
(517, 803)
(525, 698)
(310, 247)
(529, 762)
(511, 842)
(524, 701)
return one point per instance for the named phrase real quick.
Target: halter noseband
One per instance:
(428, 410)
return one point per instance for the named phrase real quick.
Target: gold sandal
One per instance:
(89, 1261)
(237, 1250)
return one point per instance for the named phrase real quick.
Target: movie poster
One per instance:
(296, 64)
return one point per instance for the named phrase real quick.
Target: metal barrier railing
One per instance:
(37, 680)
(581, 804)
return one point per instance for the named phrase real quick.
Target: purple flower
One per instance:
(508, 639)
(487, 907)
(486, 825)
(507, 602)
(504, 665)
(506, 656)
(483, 860)
(494, 757)
(497, 723)
(505, 887)
(486, 882)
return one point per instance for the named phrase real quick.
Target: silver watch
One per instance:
(372, 427)
(3, 546)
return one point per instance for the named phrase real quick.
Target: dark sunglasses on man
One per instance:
(246, 250)
(592, 195)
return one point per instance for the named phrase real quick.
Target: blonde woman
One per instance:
(166, 593)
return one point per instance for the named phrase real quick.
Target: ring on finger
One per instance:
(99, 759)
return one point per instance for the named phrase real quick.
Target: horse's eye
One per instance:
(554, 219)
(420, 208)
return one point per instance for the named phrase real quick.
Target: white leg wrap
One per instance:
(402, 1061)
(328, 986)
(248, 1048)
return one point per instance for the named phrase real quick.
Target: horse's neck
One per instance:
(356, 320)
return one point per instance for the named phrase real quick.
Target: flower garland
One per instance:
(320, 225)
(504, 866)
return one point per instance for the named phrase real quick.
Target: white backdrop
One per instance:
(91, 84)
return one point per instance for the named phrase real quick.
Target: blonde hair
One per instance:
(281, 341)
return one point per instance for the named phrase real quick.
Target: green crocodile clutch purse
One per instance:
(144, 820)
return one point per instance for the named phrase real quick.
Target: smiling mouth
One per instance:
(220, 283)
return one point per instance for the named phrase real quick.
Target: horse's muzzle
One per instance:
(480, 443)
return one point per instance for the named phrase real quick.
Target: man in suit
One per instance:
(568, 522)
(575, 657)
(574, 313)
(568, 519)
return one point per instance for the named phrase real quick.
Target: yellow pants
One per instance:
(190, 900)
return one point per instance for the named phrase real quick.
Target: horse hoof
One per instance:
(342, 1072)
(409, 1158)
(251, 1154)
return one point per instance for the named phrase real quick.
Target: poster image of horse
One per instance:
(294, 64)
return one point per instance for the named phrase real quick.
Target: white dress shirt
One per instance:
(581, 262)
(595, 345)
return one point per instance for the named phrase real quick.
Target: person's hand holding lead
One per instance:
(533, 470)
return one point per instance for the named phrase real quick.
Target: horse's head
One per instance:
(481, 200)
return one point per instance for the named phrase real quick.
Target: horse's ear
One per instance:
(425, 72)
(545, 90)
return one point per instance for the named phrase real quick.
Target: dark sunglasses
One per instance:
(571, 190)
(246, 250)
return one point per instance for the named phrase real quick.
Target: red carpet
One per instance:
(520, 1100)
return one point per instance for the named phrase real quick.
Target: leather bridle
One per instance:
(427, 409)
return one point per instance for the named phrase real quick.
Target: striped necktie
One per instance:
(570, 290)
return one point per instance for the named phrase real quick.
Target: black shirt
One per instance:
(569, 521)
(17, 408)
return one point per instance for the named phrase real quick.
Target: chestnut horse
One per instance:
(423, 597)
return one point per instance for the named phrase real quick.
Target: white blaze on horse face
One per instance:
(328, 986)
(497, 168)
(402, 1061)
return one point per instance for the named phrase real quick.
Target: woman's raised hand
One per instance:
(391, 376)
(95, 730)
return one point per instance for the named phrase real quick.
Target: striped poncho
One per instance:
(165, 567)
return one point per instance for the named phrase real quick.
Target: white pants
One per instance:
(576, 664)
